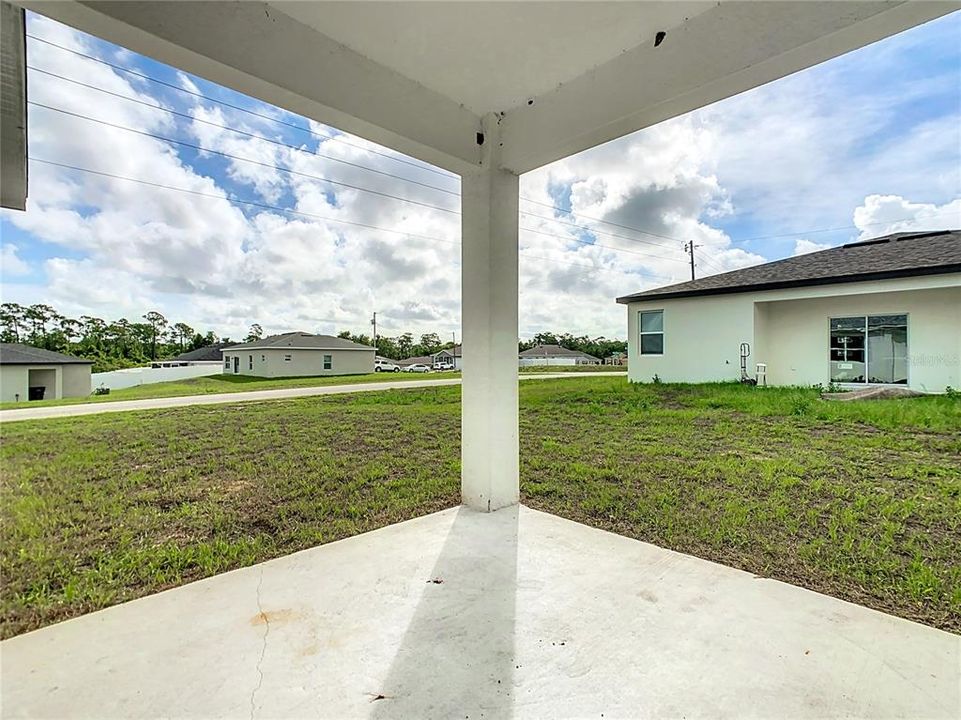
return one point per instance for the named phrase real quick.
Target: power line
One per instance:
(606, 247)
(606, 222)
(253, 113)
(277, 208)
(250, 203)
(293, 147)
(595, 231)
(837, 229)
(299, 149)
(245, 133)
(414, 164)
(321, 179)
(200, 148)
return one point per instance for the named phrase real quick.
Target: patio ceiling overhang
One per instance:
(491, 90)
(560, 77)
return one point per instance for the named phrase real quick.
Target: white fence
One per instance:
(119, 379)
(531, 362)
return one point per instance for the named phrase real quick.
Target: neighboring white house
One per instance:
(29, 373)
(450, 356)
(555, 355)
(885, 311)
(298, 354)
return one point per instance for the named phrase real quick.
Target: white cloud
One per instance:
(884, 214)
(10, 263)
(804, 246)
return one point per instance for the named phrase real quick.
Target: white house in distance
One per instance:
(449, 356)
(298, 354)
(885, 311)
(554, 355)
(29, 373)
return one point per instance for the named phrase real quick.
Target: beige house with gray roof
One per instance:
(298, 354)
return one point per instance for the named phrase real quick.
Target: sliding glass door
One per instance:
(869, 349)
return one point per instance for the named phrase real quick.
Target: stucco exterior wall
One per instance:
(799, 334)
(789, 331)
(13, 382)
(76, 381)
(270, 363)
(16, 379)
(702, 339)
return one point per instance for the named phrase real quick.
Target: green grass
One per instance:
(861, 501)
(572, 368)
(228, 384)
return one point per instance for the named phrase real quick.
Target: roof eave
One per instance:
(786, 284)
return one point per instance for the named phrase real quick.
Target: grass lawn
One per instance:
(860, 501)
(572, 368)
(213, 384)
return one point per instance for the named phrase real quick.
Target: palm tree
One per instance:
(158, 322)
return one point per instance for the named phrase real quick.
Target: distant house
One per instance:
(29, 373)
(555, 355)
(885, 311)
(298, 354)
(208, 353)
(418, 360)
(450, 356)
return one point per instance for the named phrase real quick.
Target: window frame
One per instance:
(867, 353)
(288, 357)
(226, 362)
(250, 362)
(641, 332)
(328, 361)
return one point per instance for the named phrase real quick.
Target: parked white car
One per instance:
(417, 368)
(444, 367)
(385, 366)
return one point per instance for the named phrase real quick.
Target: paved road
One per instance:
(57, 411)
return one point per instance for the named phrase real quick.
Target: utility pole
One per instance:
(689, 248)
(373, 321)
(453, 337)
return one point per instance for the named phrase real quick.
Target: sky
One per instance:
(307, 228)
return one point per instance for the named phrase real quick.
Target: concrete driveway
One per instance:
(58, 411)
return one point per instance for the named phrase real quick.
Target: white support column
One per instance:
(489, 444)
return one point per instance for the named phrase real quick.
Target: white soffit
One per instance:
(492, 56)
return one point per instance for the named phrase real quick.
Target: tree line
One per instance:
(116, 344)
(404, 346)
(111, 345)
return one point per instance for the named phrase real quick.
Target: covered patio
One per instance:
(472, 612)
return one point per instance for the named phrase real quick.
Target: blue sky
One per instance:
(868, 143)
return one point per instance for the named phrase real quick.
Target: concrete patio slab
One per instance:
(468, 615)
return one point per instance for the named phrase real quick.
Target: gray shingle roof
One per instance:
(540, 351)
(891, 256)
(19, 354)
(206, 353)
(300, 341)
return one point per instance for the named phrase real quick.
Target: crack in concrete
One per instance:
(263, 650)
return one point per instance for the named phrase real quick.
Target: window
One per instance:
(263, 358)
(250, 362)
(328, 362)
(650, 325)
(227, 362)
(286, 358)
(870, 349)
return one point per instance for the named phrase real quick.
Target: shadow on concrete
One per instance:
(456, 658)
